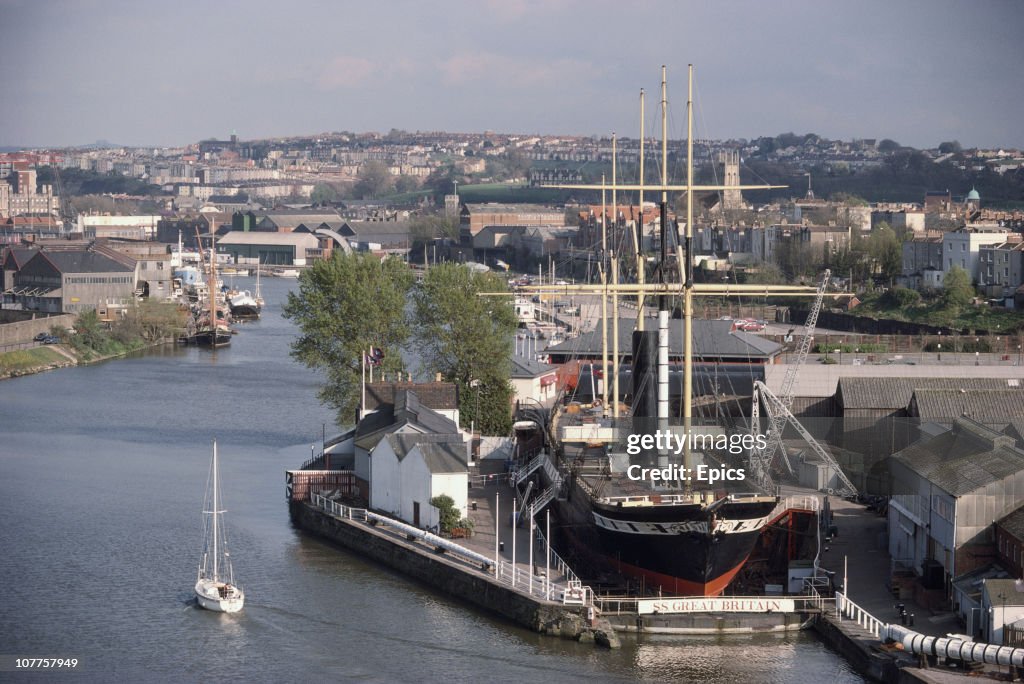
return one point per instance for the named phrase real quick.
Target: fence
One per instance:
(847, 608)
(520, 579)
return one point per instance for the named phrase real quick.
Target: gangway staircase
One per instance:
(541, 461)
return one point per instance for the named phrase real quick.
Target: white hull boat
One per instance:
(215, 585)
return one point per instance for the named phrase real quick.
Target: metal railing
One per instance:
(523, 580)
(847, 608)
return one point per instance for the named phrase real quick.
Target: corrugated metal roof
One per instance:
(963, 459)
(985, 405)
(818, 380)
(896, 392)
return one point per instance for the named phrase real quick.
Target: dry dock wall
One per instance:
(437, 571)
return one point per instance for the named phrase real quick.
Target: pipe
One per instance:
(957, 649)
(432, 539)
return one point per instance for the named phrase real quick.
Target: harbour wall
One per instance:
(438, 572)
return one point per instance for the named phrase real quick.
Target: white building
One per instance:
(961, 248)
(408, 470)
(533, 381)
(1002, 605)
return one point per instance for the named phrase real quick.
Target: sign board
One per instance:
(758, 604)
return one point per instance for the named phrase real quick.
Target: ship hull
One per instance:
(678, 549)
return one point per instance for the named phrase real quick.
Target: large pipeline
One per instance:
(432, 539)
(957, 649)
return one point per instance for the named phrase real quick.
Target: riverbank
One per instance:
(44, 358)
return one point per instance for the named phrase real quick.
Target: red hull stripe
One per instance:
(677, 585)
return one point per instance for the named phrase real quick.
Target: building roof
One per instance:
(440, 396)
(444, 457)
(1004, 592)
(525, 367)
(403, 442)
(817, 380)
(406, 411)
(964, 459)
(985, 405)
(82, 261)
(239, 237)
(896, 392)
(1014, 523)
(711, 339)
(495, 208)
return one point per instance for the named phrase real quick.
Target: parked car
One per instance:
(40, 337)
(50, 339)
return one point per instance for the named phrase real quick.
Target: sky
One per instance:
(148, 73)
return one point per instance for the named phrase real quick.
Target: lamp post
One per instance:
(940, 352)
(476, 409)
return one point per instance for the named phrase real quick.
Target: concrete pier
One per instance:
(459, 578)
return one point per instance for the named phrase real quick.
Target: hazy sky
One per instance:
(141, 72)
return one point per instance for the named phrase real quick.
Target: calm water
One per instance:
(102, 475)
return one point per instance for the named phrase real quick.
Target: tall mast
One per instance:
(213, 281)
(604, 304)
(615, 281)
(216, 513)
(638, 230)
(663, 300)
(688, 276)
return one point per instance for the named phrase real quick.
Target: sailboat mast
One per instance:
(216, 513)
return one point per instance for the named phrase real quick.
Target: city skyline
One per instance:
(144, 74)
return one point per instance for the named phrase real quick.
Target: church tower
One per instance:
(732, 197)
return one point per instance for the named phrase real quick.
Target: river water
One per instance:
(102, 475)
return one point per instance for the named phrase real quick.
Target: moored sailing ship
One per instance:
(677, 534)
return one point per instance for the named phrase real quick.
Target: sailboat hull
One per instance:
(219, 596)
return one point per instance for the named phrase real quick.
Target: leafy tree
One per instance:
(952, 147)
(886, 146)
(886, 251)
(468, 339)
(406, 184)
(373, 180)
(448, 515)
(344, 306)
(323, 193)
(956, 288)
(901, 297)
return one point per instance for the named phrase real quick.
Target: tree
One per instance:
(886, 251)
(323, 193)
(468, 339)
(345, 306)
(373, 180)
(406, 184)
(951, 147)
(956, 288)
(448, 515)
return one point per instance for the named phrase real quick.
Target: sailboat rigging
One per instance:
(215, 583)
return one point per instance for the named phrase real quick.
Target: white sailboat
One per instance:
(215, 585)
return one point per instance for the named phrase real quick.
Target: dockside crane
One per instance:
(761, 461)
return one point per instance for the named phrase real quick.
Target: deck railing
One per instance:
(848, 609)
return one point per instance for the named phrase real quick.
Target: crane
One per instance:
(778, 410)
(762, 460)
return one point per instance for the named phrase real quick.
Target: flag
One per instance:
(375, 357)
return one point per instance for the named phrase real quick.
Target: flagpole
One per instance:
(362, 406)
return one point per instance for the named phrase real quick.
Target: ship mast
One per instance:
(687, 278)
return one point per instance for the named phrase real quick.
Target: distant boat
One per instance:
(215, 585)
(244, 305)
(285, 272)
